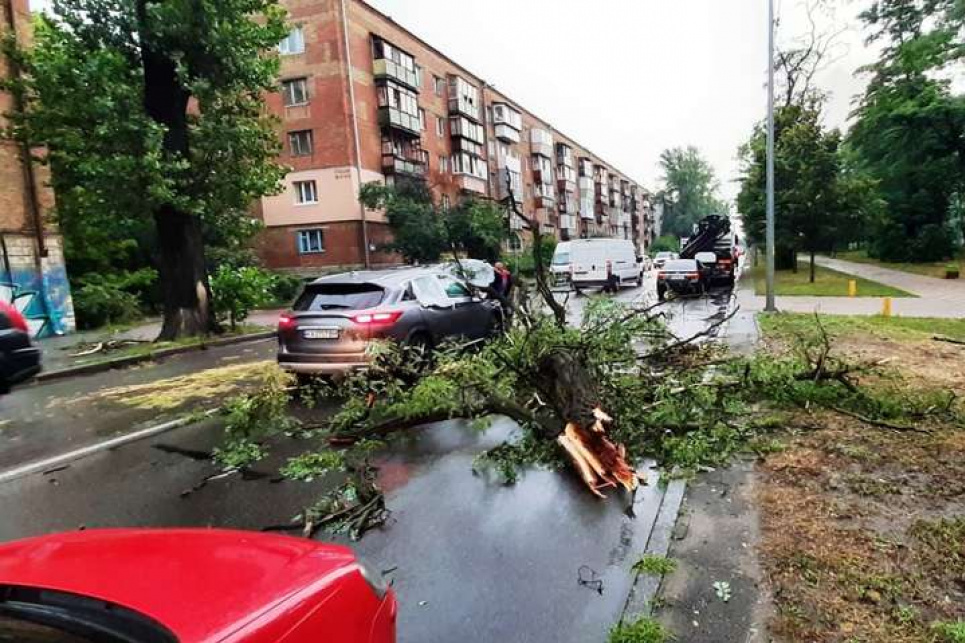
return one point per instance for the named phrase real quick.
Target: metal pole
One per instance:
(355, 134)
(769, 305)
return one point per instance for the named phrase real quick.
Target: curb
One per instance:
(123, 362)
(58, 461)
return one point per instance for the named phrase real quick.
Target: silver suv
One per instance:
(335, 318)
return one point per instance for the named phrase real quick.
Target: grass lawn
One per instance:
(930, 269)
(827, 283)
(785, 326)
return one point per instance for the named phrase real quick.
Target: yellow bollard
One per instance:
(886, 307)
(852, 288)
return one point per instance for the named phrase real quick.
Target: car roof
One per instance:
(389, 277)
(201, 584)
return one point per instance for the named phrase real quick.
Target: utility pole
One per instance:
(769, 305)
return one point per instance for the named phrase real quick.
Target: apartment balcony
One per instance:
(547, 227)
(585, 184)
(395, 120)
(564, 155)
(506, 133)
(384, 69)
(587, 211)
(504, 178)
(460, 144)
(470, 183)
(397, 166)
(515, 222)
(565, 186)
(541, 143)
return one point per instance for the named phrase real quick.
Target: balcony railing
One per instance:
(470, 183)
(566, 186)
(392, 118)
(392, 164)
(507, 133)
(382, 68)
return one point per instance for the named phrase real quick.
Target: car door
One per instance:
(472, 315)
(438, 311)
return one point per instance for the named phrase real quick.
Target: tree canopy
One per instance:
(152, 112)
(691, 190)
(422, 231)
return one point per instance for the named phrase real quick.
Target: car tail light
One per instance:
(386, 318)
(16, 319)
(661, 275)
(725, 262)
(286, 322)
(693, 275)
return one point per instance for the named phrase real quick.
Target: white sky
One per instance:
(629, 78)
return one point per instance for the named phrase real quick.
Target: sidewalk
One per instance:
(57, 350)
(938, 298)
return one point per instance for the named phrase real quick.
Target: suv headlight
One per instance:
(373, 579)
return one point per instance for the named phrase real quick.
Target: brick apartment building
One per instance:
(32, 272)
(362, 99)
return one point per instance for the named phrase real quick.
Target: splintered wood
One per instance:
(599, 461)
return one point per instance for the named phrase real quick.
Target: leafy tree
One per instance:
(691, 189)
(666, 243)
(153, 117)
(815, 200)
(422, 232)
(239, 290)
(910, 128)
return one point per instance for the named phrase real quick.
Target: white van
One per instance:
(586, 263)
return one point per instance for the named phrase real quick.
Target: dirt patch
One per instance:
(863, 532)
(938, 364)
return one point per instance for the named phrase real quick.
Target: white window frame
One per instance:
(440, 126)
(286, 48)
(302, 190)
(309, 248)
(290, 95)
(293, 136)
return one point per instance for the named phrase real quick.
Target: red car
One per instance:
(189, 586)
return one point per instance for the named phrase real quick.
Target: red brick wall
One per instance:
(278, 247)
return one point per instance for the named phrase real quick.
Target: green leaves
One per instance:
(691, 189)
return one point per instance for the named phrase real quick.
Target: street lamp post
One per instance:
(769, 305)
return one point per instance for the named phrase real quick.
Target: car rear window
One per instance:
(319, 297)
(681, 264)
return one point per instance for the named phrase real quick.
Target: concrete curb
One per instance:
(57, 461)
(123, 362)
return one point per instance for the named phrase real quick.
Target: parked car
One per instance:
(663, 257)
(189, 586)
(588, 263)
(335, 319)
(19, 357)
(682, 276)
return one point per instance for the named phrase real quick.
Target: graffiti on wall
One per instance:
(30, 306)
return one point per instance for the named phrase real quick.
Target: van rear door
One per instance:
(589, 262)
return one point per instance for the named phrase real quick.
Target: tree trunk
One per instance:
(187, 296)
(181, 263)
(812, 266)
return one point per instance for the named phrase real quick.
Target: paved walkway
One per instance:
(935, 297)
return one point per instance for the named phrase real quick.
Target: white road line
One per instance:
(121, 440)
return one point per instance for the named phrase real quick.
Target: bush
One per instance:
(100, 300)
(286, 288)
(666, 243)
(237, 290)
(521, 264)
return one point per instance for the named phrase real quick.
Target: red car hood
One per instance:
(203, 585)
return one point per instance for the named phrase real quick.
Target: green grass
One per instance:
(950, 632)
(789, 325)
(827, 283)
(929, 269)
(655, 565)
(645, 630)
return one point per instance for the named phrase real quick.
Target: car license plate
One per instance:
(320, 333)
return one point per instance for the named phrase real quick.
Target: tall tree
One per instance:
(910, 126)
(691, 189)
(153, 116)
(819, 203)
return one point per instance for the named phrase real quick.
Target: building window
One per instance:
(295, 91)
(305, 192)
(311, 241)
(300, 142)
(422, 120)
(439, 85)
(418, 76)
(440, 127)
(294, 43)
(443, 163)
(446, 203)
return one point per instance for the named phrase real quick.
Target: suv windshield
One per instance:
(319, 297)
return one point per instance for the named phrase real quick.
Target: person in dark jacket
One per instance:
(503, 282)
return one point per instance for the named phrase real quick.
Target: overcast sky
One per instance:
(630, 78)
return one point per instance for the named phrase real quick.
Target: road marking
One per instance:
(83, 452)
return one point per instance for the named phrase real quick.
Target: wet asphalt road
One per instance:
(473, 560)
